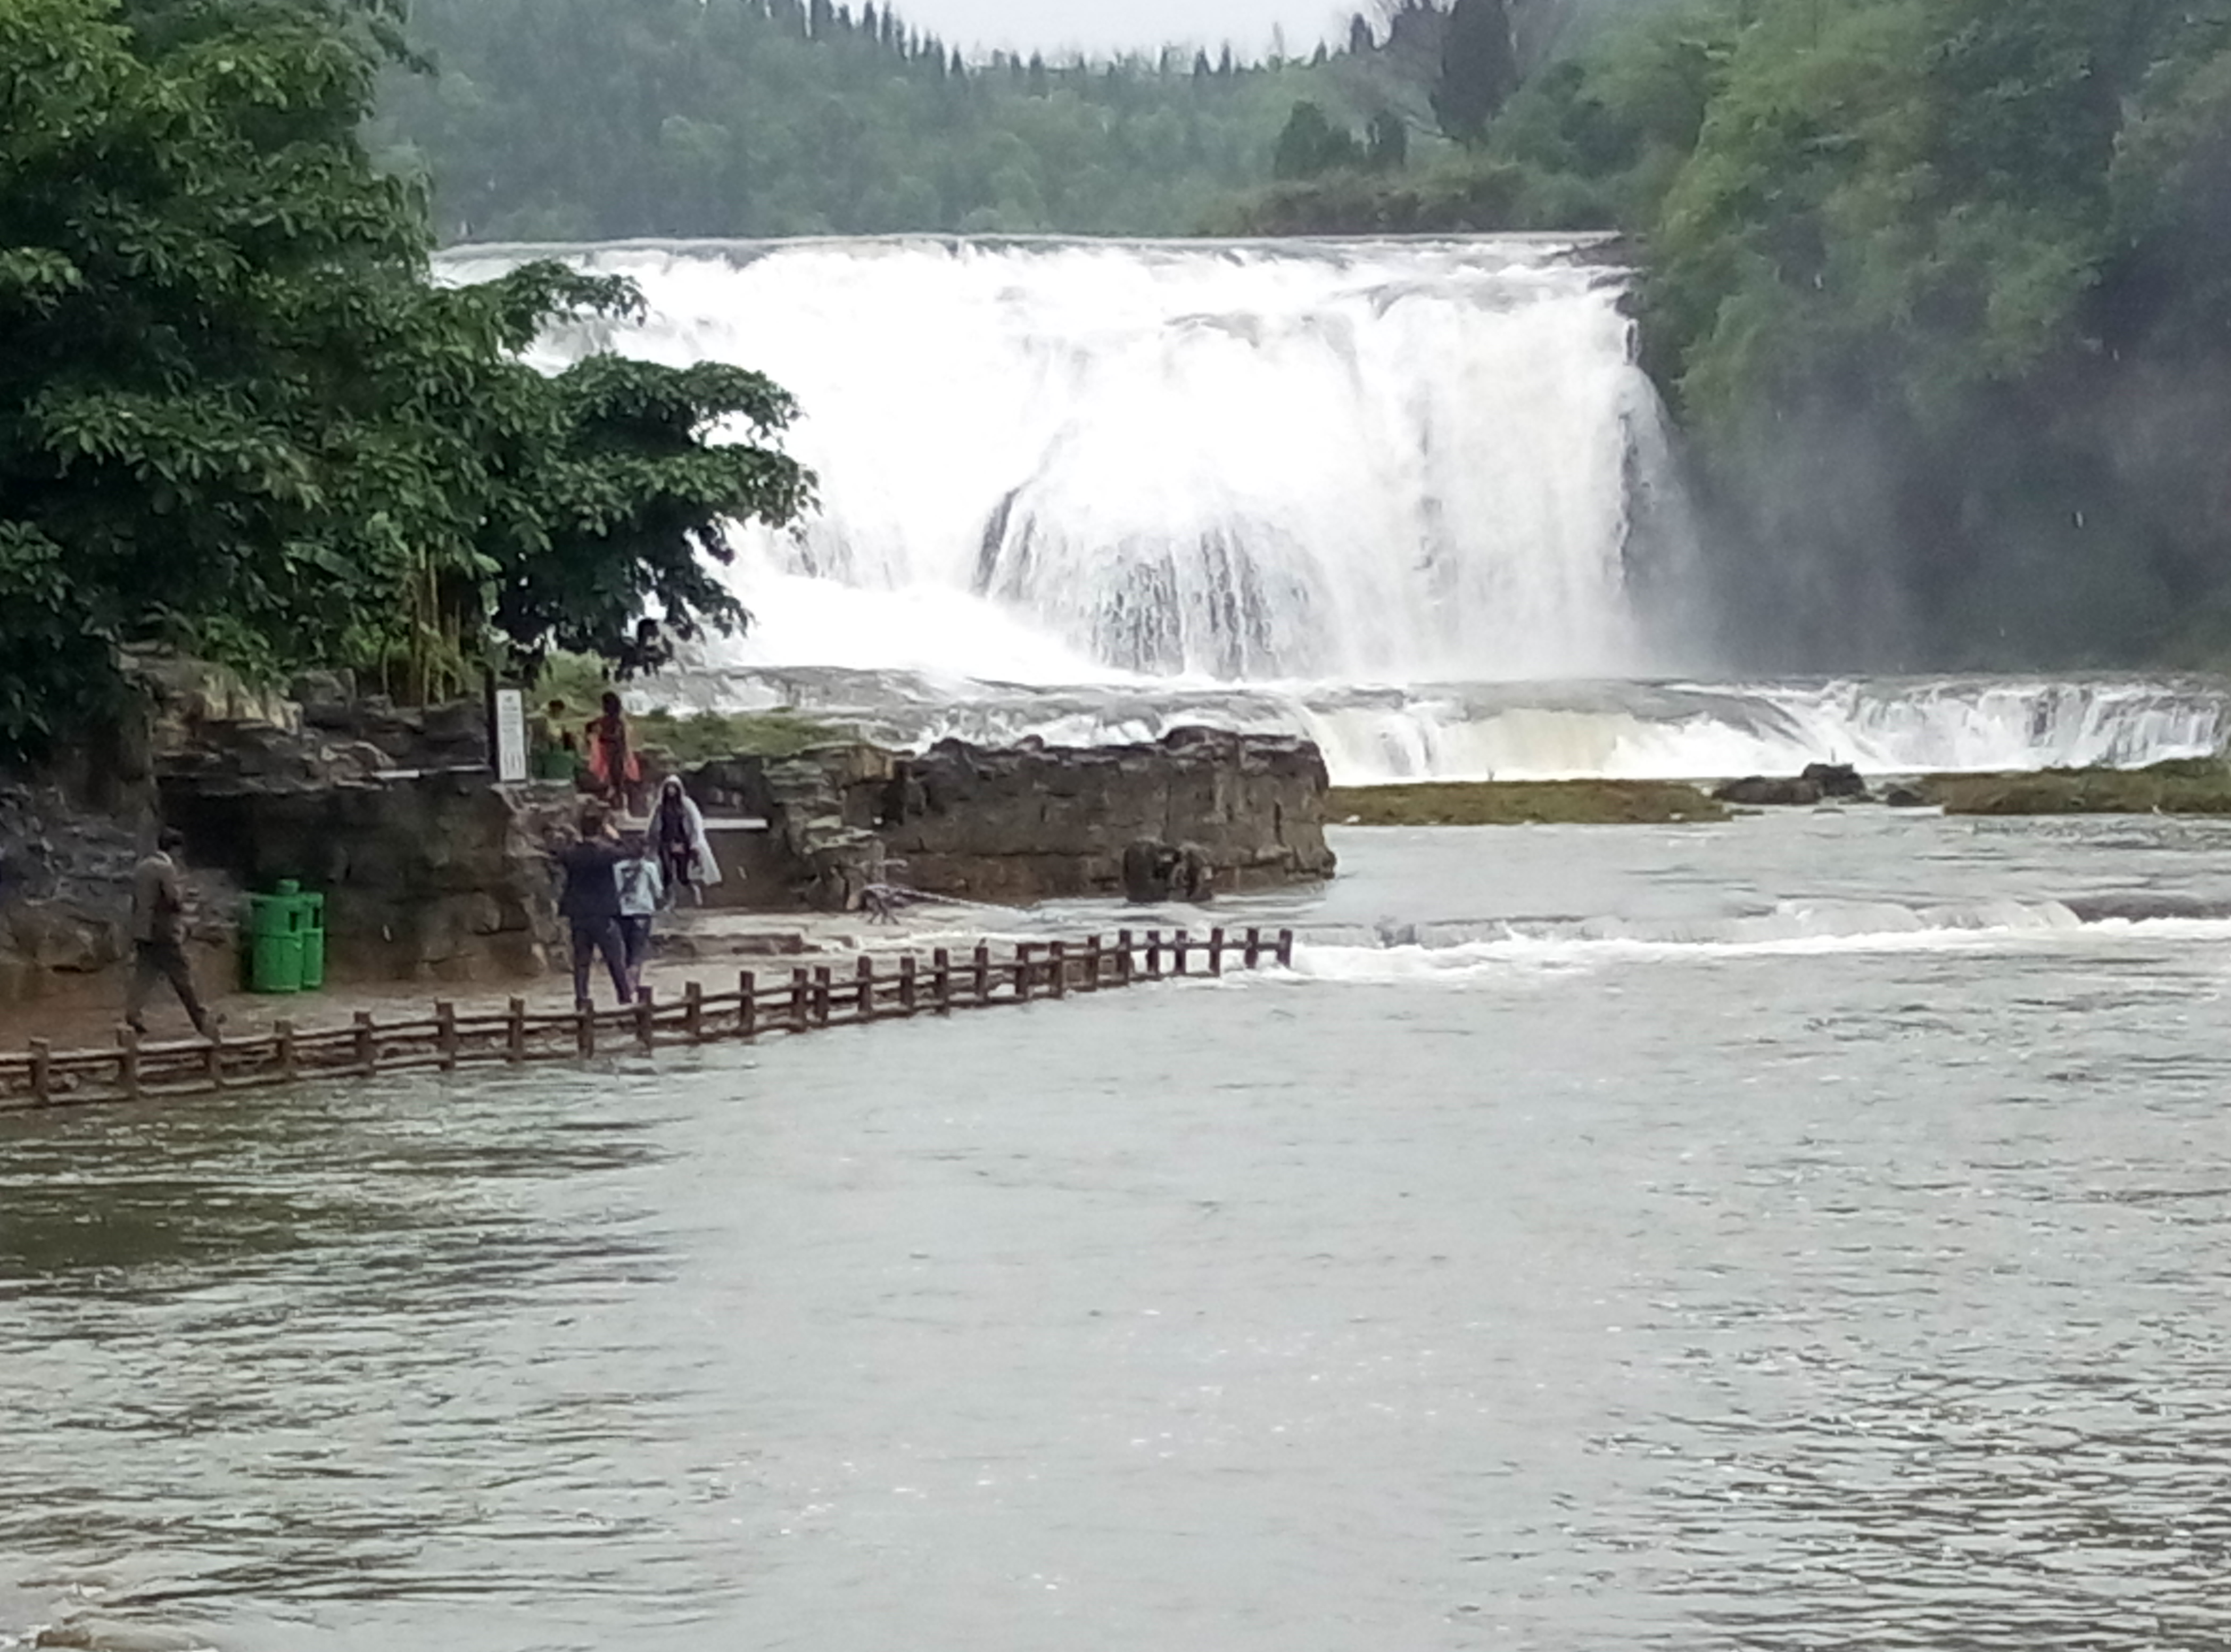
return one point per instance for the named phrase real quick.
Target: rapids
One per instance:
(1414, 499)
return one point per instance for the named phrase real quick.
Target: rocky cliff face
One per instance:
(432, 877)
(1027, 823)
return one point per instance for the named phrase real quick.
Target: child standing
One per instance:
(640, 890)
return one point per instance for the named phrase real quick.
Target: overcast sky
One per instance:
(1103, 26)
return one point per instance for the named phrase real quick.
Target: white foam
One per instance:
(1210, 460)
(1519, 952)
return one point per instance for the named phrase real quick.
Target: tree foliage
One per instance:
(1479, 68)
(595, 119)
(236, 415)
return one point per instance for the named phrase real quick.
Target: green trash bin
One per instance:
(275, 942)
(314, 940)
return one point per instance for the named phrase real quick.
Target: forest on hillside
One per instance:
(1939, 291)
(595, 119)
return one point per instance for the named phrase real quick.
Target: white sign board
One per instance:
(510, 734)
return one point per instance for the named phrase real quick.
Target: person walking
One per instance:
(158, 937)
(685, 852)
(642, 889)
(589, 903)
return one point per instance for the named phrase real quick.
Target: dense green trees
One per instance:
(236, 414)
(1935, 289)
(599, 118)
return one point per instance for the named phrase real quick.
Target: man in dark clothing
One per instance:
(159, 936)
(591, 906)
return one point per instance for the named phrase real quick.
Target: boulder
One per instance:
(1839, 781)
(1024, 823)
(1756, 791)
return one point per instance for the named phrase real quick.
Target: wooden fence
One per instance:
(809, 998)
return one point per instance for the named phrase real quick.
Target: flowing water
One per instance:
(1793, 1233)
(1412, 499)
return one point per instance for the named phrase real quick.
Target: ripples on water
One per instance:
(1858, 1297)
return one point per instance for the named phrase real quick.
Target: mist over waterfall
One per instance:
(1412, 499)
(1052, 460)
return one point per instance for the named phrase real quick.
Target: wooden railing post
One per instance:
(867, 989)
(1153, 954)
(693, 1011)
(982, 966)
(1057, 969)
(515, 1031)
(1022, 974)
(907, 988)
(1285, 948)
(213, 1060)
(367, 1053)
(289, 1069)
(42, 1072)
(1254, 948)
(445, 1035)
(1123, 959)
(128, 1062)
(1216, 951)
(822, 995)
(940, 980)
(1092, 964)
(1180, 943)
(801, 999)
(585, 1028)
(748, 1017)
(646, 1019)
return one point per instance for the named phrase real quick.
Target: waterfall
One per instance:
(1412, 499)
(1063, 461)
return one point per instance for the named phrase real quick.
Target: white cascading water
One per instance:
(1413, 499)
(1356, 462)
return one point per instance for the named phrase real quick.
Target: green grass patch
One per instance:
(702, 736)
(2191, 786)
(1522, 803)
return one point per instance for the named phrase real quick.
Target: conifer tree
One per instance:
(1479, 68)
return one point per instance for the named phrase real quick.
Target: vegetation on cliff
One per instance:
(237, 416)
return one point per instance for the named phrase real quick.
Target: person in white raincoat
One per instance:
(685, 853)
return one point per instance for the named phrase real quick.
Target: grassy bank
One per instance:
(2200, 786)
(1522, 803)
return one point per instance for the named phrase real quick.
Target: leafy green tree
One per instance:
(1386, 143)
(237, 416)
(1311, 145)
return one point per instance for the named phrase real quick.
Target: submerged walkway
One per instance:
(807, 998)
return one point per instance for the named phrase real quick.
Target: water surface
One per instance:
(1600, 1273)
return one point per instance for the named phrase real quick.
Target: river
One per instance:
(1802, 1232)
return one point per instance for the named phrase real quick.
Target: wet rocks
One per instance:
(1025, 823)
(1820, 783)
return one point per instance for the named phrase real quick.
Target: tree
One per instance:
(1386, 143)
(1479, 68)
(1311, 145)
(237, 416)
(1359, 41)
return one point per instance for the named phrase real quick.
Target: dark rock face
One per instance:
(1839, 781)
(66, 892)
(440, 877)
(1756, 791)
(1214, 811)
(1819, 783)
